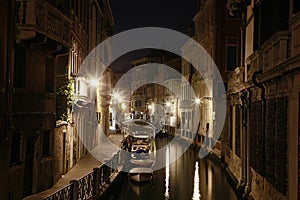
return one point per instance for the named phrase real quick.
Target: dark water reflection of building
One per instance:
(187, 178)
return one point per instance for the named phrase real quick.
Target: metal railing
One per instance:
(64, 193)
(91, 185)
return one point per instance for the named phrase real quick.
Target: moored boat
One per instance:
(142, 162)
(141, 174)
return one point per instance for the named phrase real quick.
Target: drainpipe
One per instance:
(246, 102)
(243, 10)
(243, 35)
(246, 96)
(263, 108)
(8, 117)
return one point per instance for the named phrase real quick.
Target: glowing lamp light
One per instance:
(117, 97)
(197, 101)
(93, 82)
(168, 104)
(123, 106)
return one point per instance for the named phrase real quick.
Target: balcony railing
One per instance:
(36, 16)
(275, 50)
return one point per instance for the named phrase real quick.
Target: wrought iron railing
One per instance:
(63, 194)
(91, 185)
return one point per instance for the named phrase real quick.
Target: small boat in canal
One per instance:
(141, 174)
(140, 142)
(141, 158)
(141, 151)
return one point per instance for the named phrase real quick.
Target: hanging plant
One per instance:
(64, 100)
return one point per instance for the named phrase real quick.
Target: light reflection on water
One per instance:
(209, 181)
(167, 195)
(187, 178)
(196, 194)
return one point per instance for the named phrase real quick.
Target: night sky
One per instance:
(129, 14)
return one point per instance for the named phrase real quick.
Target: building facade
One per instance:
(172, 100)
(42, 39)
(148, 100)
(43, 44)
(92, 23)
(219, 34)
(262, 148)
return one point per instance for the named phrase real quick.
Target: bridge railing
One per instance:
(91, 185)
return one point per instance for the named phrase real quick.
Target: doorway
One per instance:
(28, 168)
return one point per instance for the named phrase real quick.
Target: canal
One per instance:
(186, 178)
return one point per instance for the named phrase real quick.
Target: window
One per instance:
(296, 6)
(275, 17)
(2, 65)
(49, 82)
(46, 143)
(183, 117)
(76, 7)
(138, 103)
(97, 23)
(256, 138)
(78, 87)
(270, 140)
(81, 12)
(86, 9)
(231, 58)
(281, 144)
(20, 64)
(15, 149)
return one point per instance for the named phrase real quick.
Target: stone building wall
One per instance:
(268, 91)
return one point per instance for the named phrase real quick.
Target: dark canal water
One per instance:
(186, 178)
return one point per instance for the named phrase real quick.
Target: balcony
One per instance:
(35, 17)
(275, 50)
